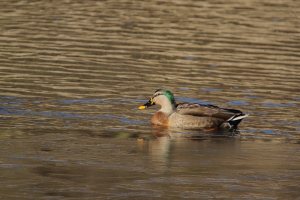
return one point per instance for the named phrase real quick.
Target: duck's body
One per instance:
(185, 121)
(191, 115)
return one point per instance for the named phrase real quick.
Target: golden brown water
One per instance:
(73, 74)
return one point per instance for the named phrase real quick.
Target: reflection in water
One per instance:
(161, 149)
(172, 132)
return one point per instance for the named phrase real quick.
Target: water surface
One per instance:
(73, 74)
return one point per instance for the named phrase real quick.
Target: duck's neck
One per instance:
(167, 107)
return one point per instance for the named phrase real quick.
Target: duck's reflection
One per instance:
(171, 142)
(162, 131)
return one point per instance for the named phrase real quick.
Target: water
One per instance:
(73, 74)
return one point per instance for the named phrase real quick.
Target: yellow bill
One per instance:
(142, 107)
(149, 103)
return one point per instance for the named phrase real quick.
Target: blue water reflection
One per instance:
(238, 103)
(278, 104)
(211, 89)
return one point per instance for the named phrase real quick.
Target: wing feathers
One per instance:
(206, 110)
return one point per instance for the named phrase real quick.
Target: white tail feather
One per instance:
(233, 121)
(234, 118)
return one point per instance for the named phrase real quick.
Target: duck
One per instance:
(191, 115)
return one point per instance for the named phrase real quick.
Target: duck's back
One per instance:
(191, 115)
(205, 111)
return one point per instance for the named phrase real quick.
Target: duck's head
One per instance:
(162, 97)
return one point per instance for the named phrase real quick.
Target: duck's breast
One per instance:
(160, 118)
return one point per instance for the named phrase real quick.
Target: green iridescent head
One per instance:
(167, 93)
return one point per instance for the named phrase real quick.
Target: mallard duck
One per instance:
(191, 115)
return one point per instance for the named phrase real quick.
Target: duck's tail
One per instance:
(236, 119)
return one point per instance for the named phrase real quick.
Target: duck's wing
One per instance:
(206, 111)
